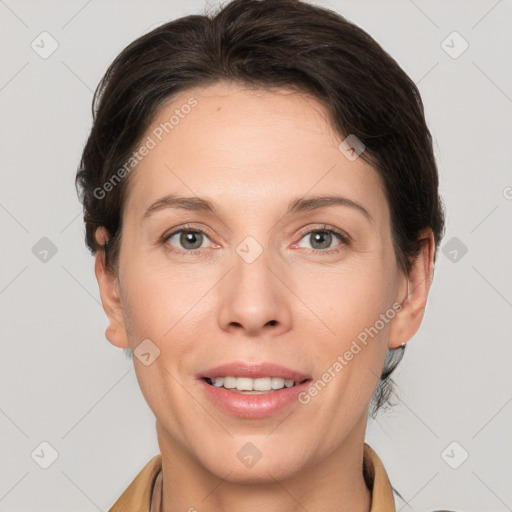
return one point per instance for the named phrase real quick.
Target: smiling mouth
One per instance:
(249, 386)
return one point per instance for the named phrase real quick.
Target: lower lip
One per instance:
(253, 406)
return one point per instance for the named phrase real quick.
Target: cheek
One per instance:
(154, 309)
(171, 309)
(351, 298)
(156, 298)
(355, 305)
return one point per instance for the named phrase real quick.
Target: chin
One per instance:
(261, 473)
(253, 459)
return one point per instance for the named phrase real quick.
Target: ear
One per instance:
(416, 285)
(109, 293)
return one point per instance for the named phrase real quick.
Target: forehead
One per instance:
(247, 148)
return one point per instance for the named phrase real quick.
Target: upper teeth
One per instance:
(248, 384)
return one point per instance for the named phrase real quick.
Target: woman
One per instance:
(261, 194)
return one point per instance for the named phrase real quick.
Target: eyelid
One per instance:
(187, 228)
(345, 237)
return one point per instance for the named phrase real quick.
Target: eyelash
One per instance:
(341, 236)
(185, 229)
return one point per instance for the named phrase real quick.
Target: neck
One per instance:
(334, 484)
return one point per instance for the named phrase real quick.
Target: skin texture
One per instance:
(250, 152)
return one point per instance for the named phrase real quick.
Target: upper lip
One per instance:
(254, 371)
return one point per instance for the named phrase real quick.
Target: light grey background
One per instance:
(63, 383)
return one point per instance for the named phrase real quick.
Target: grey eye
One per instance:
(189, 240)
(320, 239)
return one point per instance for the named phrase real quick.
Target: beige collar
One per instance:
(156, 496)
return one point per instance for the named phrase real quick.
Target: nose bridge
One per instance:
(253, 297)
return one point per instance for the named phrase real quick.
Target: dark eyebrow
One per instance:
(316, 202)
(181, 203)
(300, 204)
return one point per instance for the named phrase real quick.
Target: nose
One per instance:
(254, 298)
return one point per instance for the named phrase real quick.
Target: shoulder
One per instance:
(137, 495)
(384, 495)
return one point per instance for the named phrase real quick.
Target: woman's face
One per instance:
(267, 288)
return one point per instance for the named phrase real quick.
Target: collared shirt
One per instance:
(137, 497)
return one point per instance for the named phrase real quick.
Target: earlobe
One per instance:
(110, 297)
(408, 319)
